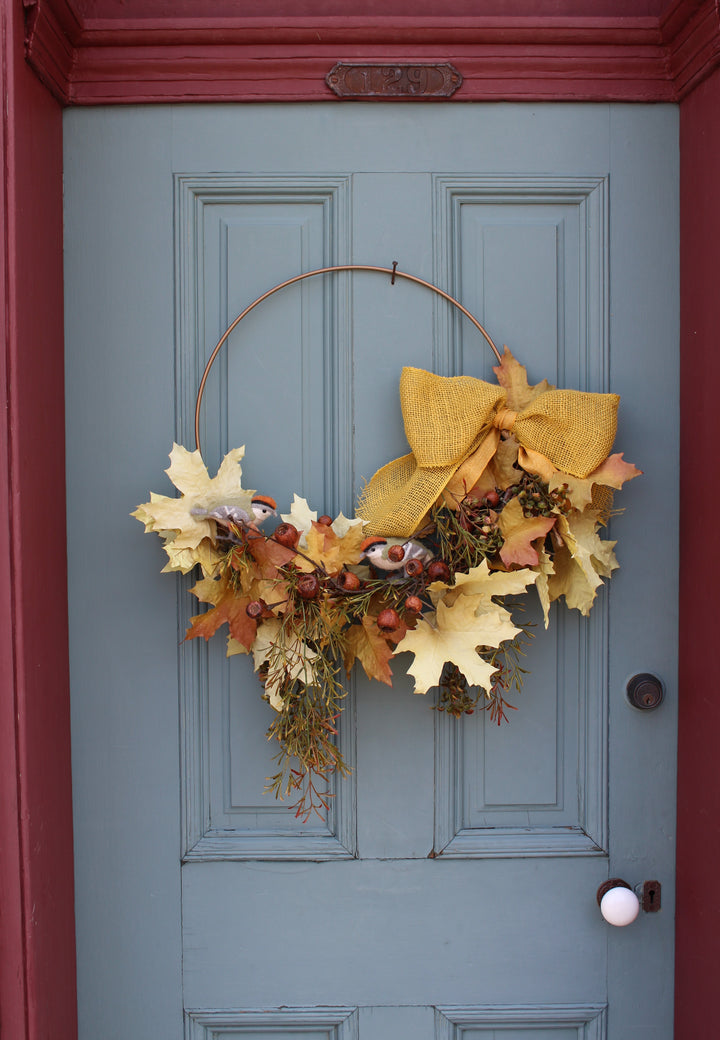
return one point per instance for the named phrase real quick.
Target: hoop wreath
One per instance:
(506, 486)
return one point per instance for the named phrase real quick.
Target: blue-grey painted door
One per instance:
(450, 892)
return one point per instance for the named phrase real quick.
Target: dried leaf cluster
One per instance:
(306, 603)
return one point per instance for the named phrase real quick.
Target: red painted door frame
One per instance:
(37, 956)
(37, 970)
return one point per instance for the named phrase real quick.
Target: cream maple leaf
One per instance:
(288, 660)
(181, 521)
(300, 516)
(451, 634)
(483, 583)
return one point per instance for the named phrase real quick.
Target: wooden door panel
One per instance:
(448, 929)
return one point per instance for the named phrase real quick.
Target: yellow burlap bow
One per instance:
(453, 426)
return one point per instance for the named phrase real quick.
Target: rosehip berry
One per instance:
(308, 586)
(255, 609)
(349, 581)
(325, 520)
(396, 553)
(438, 570)
(287, 535)
(492, 498)
(414, 568)
(388, 620)
(413, 604)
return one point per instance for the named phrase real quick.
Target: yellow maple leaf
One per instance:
(571, 581)
(581, 560)
(545, 570)
(512, 376)
(332, 552)
(451, 634)
(183, 517)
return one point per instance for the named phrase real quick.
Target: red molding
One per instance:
(698, 841)
(37, 934)
(115, 57)
(694, 47)
(51, 35)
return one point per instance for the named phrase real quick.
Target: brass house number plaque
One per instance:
(393, 81)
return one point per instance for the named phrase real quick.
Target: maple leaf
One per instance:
(269, 555)
(366, 643)
(300, 516)
(183, 517)
(519, 533)
(452, 634)
(512, 376)
(483, 584)
(580, 561)
(332, 552)
(579, 532)
(342, 526)
(570, 580)
(227, 607)
(503, 462)
(183, 560)
(545, 570)
(613, 472)
(289, 660)
(234, 647)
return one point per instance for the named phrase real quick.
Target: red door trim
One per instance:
(698, 832)
(37, 938)
(123, 54)
(87, 61)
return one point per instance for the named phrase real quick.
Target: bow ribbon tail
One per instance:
(470, 471)
(535, 462)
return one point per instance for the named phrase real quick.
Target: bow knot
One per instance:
(504, 419)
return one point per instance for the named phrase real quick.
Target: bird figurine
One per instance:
(393, 556)
(262, 507)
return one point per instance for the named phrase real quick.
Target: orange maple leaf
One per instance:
(269, 555)
(227, 607)
(366, 643)
(519, 533)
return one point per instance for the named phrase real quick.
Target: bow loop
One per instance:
(445, 416)
(572, 428)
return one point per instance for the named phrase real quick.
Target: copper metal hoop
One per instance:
(392, 271)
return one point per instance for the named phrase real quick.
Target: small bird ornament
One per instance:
(262, 506)
(394, 556)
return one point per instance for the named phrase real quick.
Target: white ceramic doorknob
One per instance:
(618, 903)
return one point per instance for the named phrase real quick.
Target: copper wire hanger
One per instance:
(392, 271)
